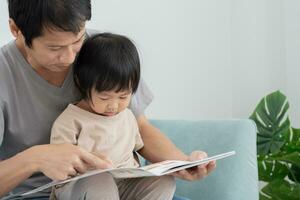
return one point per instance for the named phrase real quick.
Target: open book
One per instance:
(156, 169)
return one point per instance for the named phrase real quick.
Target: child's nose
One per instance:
(112, 107)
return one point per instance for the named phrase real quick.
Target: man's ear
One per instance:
(14, 29)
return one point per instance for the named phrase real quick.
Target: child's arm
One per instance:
(64, 130)
(135, 130)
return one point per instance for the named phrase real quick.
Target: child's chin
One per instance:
(109, 114)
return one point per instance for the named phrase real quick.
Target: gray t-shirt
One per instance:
(29, 105)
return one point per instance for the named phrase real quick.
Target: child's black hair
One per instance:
(107, 62)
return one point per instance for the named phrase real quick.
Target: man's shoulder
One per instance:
(7, 57)
(6, 68)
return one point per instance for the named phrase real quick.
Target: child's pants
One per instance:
(105, 187)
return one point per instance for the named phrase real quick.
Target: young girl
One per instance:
(107, 73)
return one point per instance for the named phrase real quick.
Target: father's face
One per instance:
(54, 50)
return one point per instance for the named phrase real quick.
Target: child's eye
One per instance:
(123, 97)
(103, 98)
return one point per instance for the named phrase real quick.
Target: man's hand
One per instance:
(198, 172)
(61, 161)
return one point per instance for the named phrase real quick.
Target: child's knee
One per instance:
(168, 182)
(89, 188)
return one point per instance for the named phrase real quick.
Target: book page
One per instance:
(170, 166)
(160, 167)
(198, 162)
(156, 169)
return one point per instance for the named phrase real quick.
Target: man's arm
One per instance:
(13, 171)
(56, 161)
(158, 147)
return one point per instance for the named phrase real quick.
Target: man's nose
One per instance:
(68, 55)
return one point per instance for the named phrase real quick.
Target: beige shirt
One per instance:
(117, 137)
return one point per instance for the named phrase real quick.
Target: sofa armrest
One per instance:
(235, 177)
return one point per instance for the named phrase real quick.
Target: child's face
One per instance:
(109, 103)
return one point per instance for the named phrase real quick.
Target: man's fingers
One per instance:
(81, 168)
(198, 172)
(186, 175)
(70, 173)
(95, 161)
(197, 155)
(183, 174)
(211, 166)
(103, 157)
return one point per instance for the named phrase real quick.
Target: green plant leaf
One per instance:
(293, 141)
(263, 197)
(270, 170)
(294, 136)
(281, 189)
(294, 174)
(293, 158)
(272, 123)
(278, 149)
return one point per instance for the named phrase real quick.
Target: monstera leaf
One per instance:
(278, 149)
(280, 189)
(293, 142)
(294, 174)
(292, 147)
(292, 158)
(269, 169)
(272, 123)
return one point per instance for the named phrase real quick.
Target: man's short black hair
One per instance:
(107, 62)
(33, 16)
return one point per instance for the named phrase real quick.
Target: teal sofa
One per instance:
(236, 177)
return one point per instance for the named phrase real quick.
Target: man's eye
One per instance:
(55, 49)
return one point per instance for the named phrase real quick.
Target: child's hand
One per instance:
(198, 172)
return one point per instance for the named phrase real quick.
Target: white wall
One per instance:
(292, 33)
(207, 59)
(258, 52)
(185, 50)
(5, 35)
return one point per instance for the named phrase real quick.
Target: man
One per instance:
(36, 84)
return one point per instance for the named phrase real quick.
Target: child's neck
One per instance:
(85, 106)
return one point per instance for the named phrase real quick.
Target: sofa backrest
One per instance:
(236, 177)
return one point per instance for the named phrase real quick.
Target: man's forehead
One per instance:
(60, 37)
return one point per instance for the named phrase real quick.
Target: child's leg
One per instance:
(101, 186)
(148, 188)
